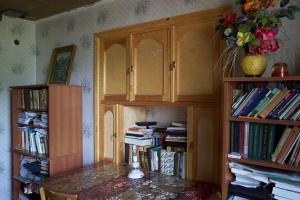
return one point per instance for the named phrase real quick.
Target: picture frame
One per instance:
(60, 65)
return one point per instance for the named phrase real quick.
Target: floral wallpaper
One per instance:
(78, 27)
(17, 67)
(28, 62)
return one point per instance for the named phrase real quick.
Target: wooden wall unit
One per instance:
(64, 129)
(172, 63)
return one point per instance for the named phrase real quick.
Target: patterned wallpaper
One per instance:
(18, 67)
(29, 62)
(78, 26)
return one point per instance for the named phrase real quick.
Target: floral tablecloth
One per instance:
(110, 181)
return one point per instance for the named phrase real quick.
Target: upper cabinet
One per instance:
(150, 65)
(171, 60)
(196, 50)
(114, 62)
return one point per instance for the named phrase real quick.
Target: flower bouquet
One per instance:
(254, 27)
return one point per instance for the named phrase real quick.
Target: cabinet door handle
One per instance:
(130, 69)
(173, 65)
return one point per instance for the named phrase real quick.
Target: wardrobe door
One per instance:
(203, 147)
(114, 62)
(195, 52)
(150, 65)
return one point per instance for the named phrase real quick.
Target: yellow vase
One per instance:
(254, 65)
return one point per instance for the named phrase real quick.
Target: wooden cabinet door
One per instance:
(114, 61)
(203, 152)
(195, 52)
(107, 140)
(150, 65)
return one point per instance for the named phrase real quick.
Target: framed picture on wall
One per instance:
(60, 65)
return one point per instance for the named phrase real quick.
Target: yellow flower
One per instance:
(242, 38)
(253, 5)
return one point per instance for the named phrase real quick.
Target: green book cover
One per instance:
(256, 141)
(271, 142)
(260, 141)
(250, 143)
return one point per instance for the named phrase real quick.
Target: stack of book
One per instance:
(37, 119)
(140, 134)
(176, 133)
(285, 188)
(173, 163)
(33, 169)
(249, 183)
(34, 140)
(34, 99)
(268, 103)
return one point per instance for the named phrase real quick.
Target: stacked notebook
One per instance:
(286, 189)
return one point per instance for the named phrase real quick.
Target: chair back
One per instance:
(49, 195)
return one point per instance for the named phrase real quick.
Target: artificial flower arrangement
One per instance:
(254, 27)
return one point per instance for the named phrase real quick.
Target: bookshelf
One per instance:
(230, 85)
(46, 128)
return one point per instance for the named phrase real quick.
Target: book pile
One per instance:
(37, 119)
(140, 134)
(176, 133)
(268, 103)
(33, 99)
(33, 169)
(285, 189)
(249, 183)
(33, 140)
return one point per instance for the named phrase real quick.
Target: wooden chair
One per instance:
(49, 195)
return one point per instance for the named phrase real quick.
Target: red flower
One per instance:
(268, 42)
(229, 19)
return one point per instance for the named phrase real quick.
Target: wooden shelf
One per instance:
(31, 154)
(21, 179)
(261, 79)
(32, 110)
(31, 125)
(262, 163)
(266, 121)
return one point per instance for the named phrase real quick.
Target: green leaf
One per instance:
(245, 28)
(290, 15)
(294, 8)
(254, 42)
(284, 3)
(238, 2)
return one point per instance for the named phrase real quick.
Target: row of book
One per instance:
(33, 118)
(34, 98)
(268, 103)
(33, 140)
(256, 183)
(159, 160)
(255, 141)
(266, 142)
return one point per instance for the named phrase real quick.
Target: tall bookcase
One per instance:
(63, 106)
(230, 84)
